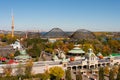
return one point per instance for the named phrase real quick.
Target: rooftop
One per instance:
(76, 50)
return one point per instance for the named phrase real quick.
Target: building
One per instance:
(88, 62)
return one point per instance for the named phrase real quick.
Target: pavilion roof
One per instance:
(76, 50)
(22, 57)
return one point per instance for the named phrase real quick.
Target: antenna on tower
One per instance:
(11, 12)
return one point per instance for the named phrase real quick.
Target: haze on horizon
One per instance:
(69, 15)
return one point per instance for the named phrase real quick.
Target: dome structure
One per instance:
(55, 33)
(76, 50)
(82, 34)
(90, 54)
(76, 53)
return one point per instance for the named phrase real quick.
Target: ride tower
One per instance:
(12, 27)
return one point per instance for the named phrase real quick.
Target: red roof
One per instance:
(11, 62)
(3, 59)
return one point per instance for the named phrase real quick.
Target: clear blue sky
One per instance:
(69, 15)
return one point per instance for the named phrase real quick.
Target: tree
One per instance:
(17, 53)
(114, 45)
(45, 76)
(111, 75)
(115, 69)
(4, 39)
(70, 46)
(2, 35)
(56, 72)
(68, 75)
(106, 70)
(7, 70)
(86, 46)
(58, 44)
(101, 74)
(34, 51)
(106, 50)
(11, 55)
(79, 76)
(118, 75)
(34, 46)
(20, 70)
(28, 68)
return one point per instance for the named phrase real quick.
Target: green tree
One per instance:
(17, 53)
(101, 74)
(111, 75)
(56, 72)
(68, 75)
(4, 39)
(79, 76)
(34, 46)
(34, 51)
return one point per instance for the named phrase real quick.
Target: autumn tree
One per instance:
(10, 39)
(70, 45)
(28, 68)
(11, 55)
(49, 50)
(115, 69)
(56, 72)
(106, 70)
(2, 35)
(106, 50)
(7, 70)
(114, 45)
(45, 76)
(86, 46)
(58, 44)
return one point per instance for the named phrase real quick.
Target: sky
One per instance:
(69, 15)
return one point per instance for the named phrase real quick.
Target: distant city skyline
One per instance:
(69, 15)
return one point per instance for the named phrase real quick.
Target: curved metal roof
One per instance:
(76, 50)
(55, 33)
